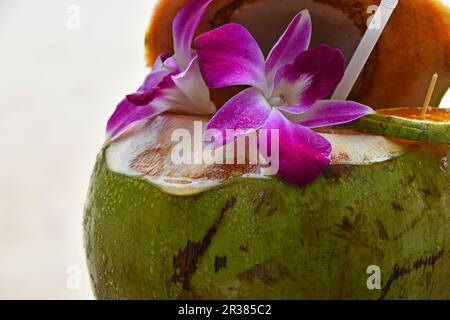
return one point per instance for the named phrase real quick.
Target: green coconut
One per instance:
(381, 203)
(153, 230)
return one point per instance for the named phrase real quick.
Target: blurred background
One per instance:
(64, 65)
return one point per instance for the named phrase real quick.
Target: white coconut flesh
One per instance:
(148, 153)
(267, 20)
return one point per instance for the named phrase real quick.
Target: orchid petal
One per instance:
(184, 93)
(329, 113)
(128, 114)
(171, 98)
(145, 104)
(303, 154)
(295, 40)
(157, 74)
(160, 61)
(244, 113)
(171, 64)
(176, 106)
(228, 56)
(191, 83)
(184, 27)
(141, 98)
(313, 75)
(294, 110)
(153, 79)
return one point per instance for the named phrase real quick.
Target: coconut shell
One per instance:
(414, 45)
(266, 239)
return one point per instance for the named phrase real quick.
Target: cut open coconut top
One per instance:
(345, 36)
(148, 152)
(339, 24)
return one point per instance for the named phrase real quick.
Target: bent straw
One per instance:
(364, 49)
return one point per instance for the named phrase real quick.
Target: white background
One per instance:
(57, 89)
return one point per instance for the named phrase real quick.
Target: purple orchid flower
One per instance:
(175, 83)
(285, 92)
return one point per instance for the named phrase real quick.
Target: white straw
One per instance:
(365, 48)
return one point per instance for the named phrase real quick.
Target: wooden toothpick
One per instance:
(430, 92)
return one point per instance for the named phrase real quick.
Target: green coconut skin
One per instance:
(266, 239)
(401, 128)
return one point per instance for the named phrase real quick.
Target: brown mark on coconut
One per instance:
(347, 225)
(336, 172)
(410, 180)
(266, 203)
(350, 232)
(185, 262)
(219, 263)
(396, 206)
(400, 272)
(244, 248)
(341, 157)
(412, 225)
(260, 199)
(269, 272)
(382, 230)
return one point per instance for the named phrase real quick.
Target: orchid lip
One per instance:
(277, 101)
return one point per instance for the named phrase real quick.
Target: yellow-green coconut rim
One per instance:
(406, 123)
